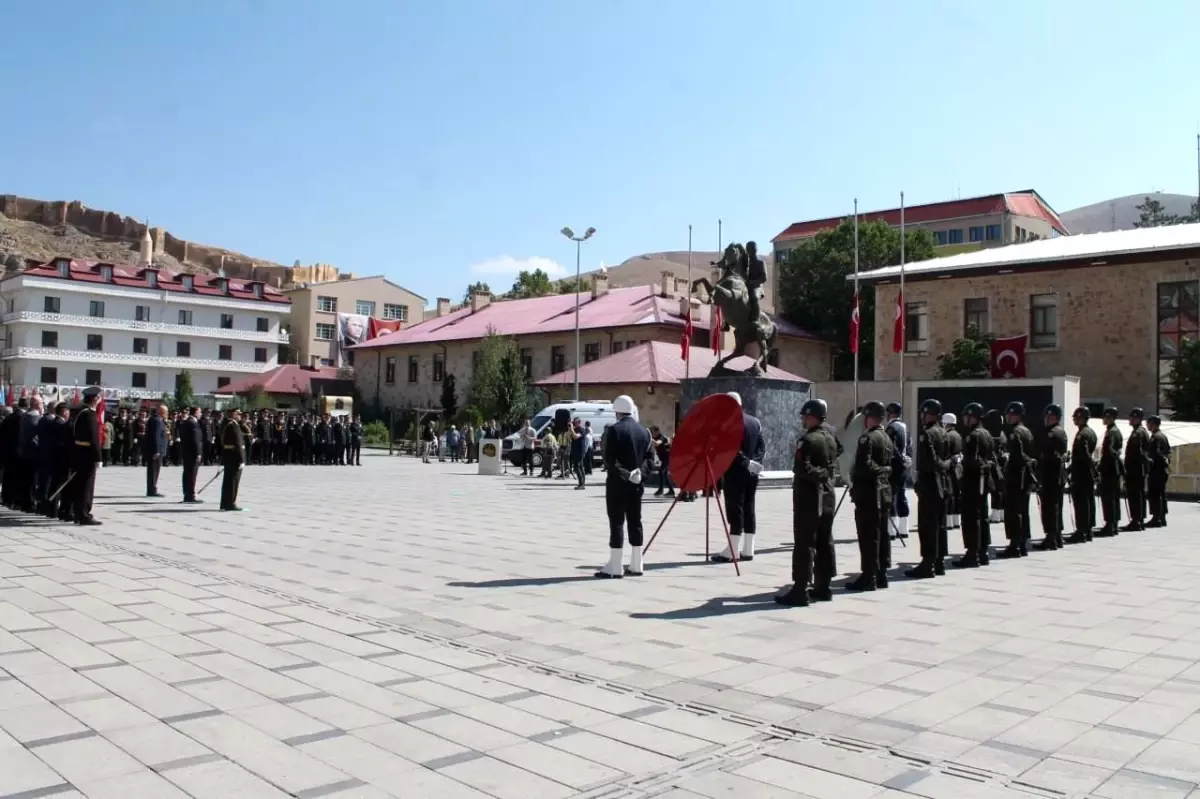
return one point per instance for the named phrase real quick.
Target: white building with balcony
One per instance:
(136, 329)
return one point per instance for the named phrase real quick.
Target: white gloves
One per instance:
(635, 476)
(754, 467)
(957, 459)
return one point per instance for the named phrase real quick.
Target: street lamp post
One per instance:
(579, 240)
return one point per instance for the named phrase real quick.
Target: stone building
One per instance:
(407, 368)
(1110, 308)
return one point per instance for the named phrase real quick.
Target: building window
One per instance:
(389, 370)
(975, 315)
(326, 362)
(52, 304)
(558, 360)
(262, 324)
(954, 236)
(617, 346)
(992, 233)
(64, 267)
(393, 311)
(258, 290)
(222, 382)
(260, 354)
(916, 327)
(185, 317)
(96, 309)
(183, 349)
(49, 374)
(141, 346)
(141, 313)
(151, 281)
(188, 282)
(591, 352)
(325, 331)
(227, 321)
(138, 380)
(414, 368)
(364, 307)
(1020, 234)
(49, 338)
(225, 352)
(106, 276)
(1178, 321)
(439, 367)
(527, 362)
(1043, 321)
(976, 233)
(95, 342)
(327, 304)
(92, 377)
(939, 237)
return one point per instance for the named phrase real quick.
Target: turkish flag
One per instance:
(379, 327)
(718, 322)
(1008, 357)
(898, 325)
(685, 343)
(854, 321)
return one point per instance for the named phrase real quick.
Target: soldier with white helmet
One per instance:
(627, 452)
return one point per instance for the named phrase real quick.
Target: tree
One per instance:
(1183, 395)
(568, 286)
(815, 294)
(1152, 214)
(449, 397)
(531, 284)
(498, 387)
(478, 287)
(969, 357)
(184, 394)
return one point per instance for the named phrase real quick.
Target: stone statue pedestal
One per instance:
(776, 403)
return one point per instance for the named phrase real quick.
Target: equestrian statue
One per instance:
(736, 293)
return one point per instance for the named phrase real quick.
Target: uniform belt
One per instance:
(229, 446)
(83, 443)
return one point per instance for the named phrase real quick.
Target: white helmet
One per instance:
(949, 419)
(736, 396)
(624, 404)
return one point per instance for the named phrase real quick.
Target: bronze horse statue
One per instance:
(732, 295)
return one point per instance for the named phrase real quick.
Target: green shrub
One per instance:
(375, 434)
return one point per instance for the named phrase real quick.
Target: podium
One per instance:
(490, 462)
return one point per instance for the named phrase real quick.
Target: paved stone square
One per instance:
(421, 631)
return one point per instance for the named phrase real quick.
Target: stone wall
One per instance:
(776, 403)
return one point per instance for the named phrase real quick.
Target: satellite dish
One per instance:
(849, 438)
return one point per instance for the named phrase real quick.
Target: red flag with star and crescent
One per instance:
(685, 343)
(854, 326)
(1008, 357)
(898, 328)
(718, 323)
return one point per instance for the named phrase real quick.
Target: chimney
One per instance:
(599, 285)
(682, 289)
(314, 361)
(668, 283)
(443, 306)
(685, 304)
(479, 301)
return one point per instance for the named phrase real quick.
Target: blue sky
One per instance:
(442, 142)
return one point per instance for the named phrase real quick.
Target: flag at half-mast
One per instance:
(718, 322)
(898, 329)
(685, 343)
(854, 326)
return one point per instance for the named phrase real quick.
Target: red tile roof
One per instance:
(619, 307)
(1024, 203)
(654, 362)
(286, 379)
(135, 277)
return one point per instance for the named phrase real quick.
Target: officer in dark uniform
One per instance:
(871, 493)
(933, 466)
(191, 452)
(85, 458)
(741, 486)
(322, 437)
(1160, 470)
(977, 464)
(306, 440)
(954, 447)
(897, 431)
(62, 446)
(627, 453)
(1052, 475)
(812, 510)
(1137, 469)
(993, 422)
(1083, 474)
(278, 441)
(354, 443)
(337, 432)
(233, 456)
(1111, 471)
(1018, 482)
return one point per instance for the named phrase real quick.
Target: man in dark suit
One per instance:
(741, 486)
(85, 458)
(233, 457)
(154, 448)
(191, 451)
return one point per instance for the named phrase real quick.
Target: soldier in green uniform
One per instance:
(85, 457)
(1137, 468)
(1082, 472)
(1018, 482)
(977, 465)
(233, 455)
(871, 493)
(933, 466)
(1111, 471)
(1052, 474)
(1160, 470)
(812, 510)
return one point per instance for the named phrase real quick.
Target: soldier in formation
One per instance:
(1160, 469)
(1083, 473)
(813, 506)
(1052, 475)
(871, 493)
(933, 484)
(978, 469)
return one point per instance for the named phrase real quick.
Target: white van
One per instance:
(598, 412)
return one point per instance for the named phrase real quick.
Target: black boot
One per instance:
(922, 571)
(1077, 538)
(797, 597)
(968, 561)
(865, 582)
(939, 567)
(1047, 544)
(881, 580)
(820, 594)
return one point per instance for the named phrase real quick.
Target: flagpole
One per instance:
(687, 362)
(903, 307)
(718, 238)
(857, 313)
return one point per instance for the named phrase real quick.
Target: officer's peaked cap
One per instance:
(895, 407)
(90, 393)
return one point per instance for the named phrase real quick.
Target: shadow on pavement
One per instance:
(718, 606)
(652, 567)
(525, 582)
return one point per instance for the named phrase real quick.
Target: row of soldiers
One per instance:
(271, 438)
(959, 471)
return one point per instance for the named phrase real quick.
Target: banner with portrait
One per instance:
(351, 329)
